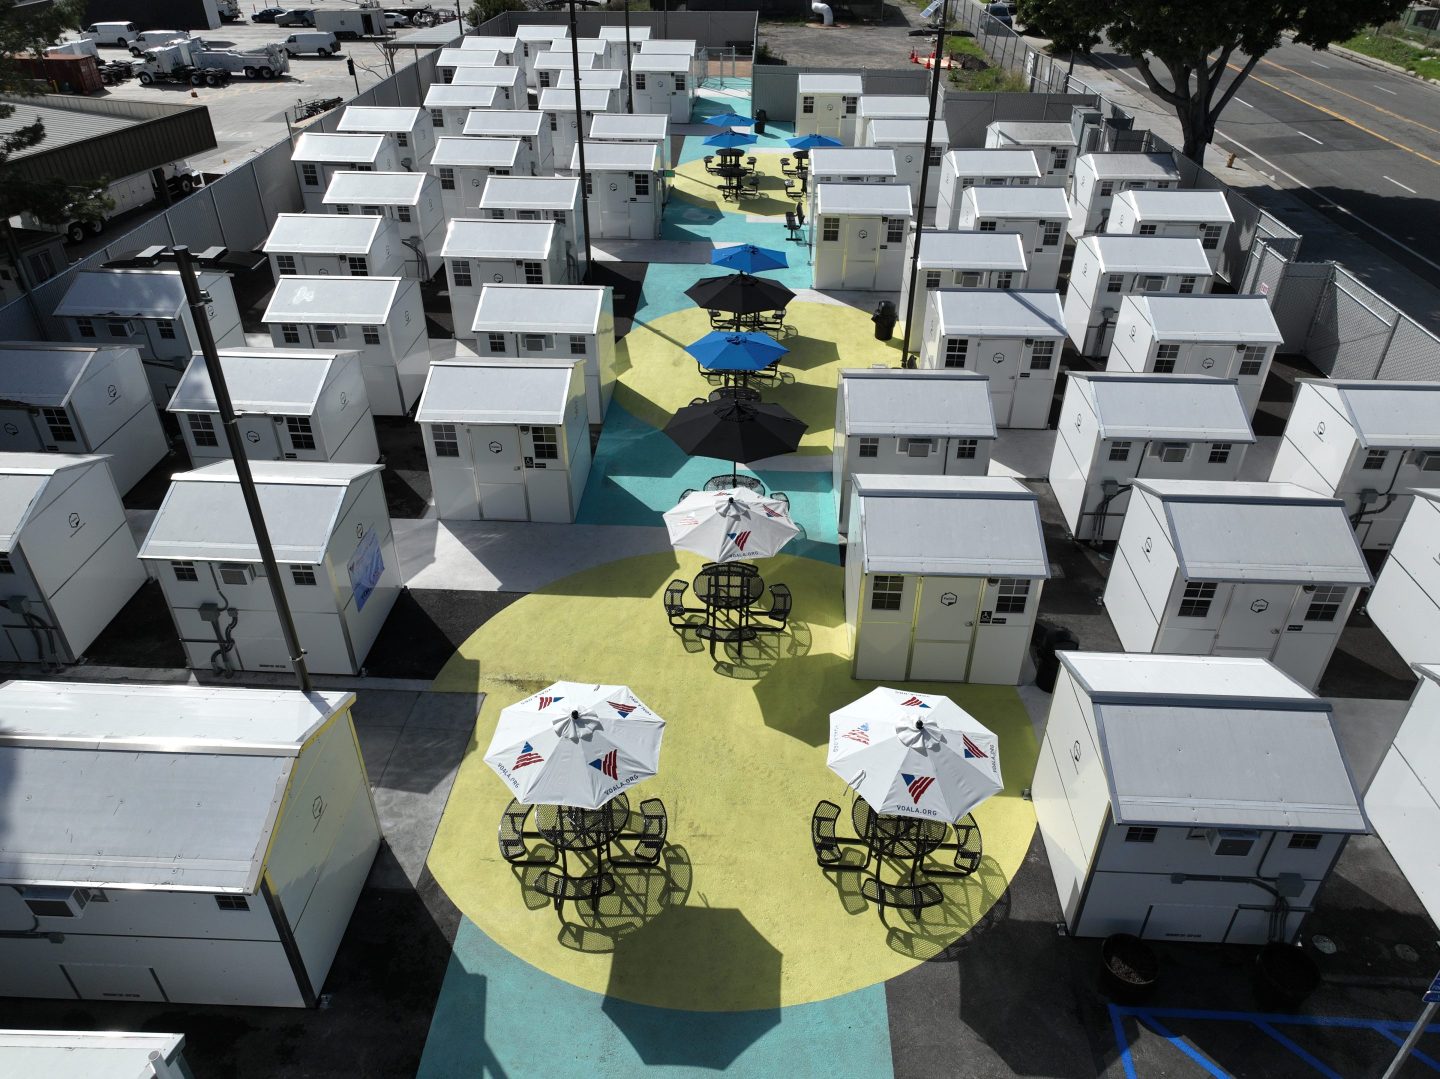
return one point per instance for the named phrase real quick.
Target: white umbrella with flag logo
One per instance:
(730, 526)
(575, 744)
(914, 754)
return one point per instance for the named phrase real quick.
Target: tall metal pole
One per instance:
(629, 82)
(195, 299)
(924, 181)
(580, 133)
(1411, 1041)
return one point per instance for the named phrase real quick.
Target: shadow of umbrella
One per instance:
(685, 946)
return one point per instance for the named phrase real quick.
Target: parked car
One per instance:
(267, 14)
(111, 33)
(394, 20)
(321, 42)
(1004, 14)
(148, 39)
(300, 16)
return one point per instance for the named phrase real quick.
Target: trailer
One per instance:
(266, 62)
(125, 194)
(350, 23)
(175, 63)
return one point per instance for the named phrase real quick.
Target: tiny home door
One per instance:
(945, 617)
(641, 209)
(1254, 620)
(999, 361)
(20, 431)
(861, 240)
(499, 475)
(262, 442)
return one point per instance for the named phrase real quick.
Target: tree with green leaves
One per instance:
(1195, 54)
(485, 10)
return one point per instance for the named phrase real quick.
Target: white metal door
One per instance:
(18, 432)
(862, 252)
(262, 441)
(642, 208)
(1001, 364)
(1254, 620)
(499, 475)
(944, 628)
(1001, 636)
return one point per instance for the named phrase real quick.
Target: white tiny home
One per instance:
(410, 199)
(506, 441)
(1167, 786)
(558, 107)
(1204, 215)
(963, 260)
(1014, 338)
(179, 844)
(549, 64)
(852, 165)
(345, 245)
(508, 83)
(1225, 336)
(478, 253)
(943, 577)
(1108, 268)
(1099, 177)
(379, 317)
(967, 168)
(541, 198)
(450, 60)
(534, 39)
(57, 398)
(67, 558)
(504, 47)
(614, 38)
(907, 139)
(892, 107)
(1403, 800)
(1268, 570)
(625, 186)
(463, 166)
(828, 105)
(1053, 146)
(662, 82)
(527, 125)
(669, 46)
(646, 128)
(1405, 605)
(611, 82)
(330, 528)
(295, 405)
(858, 236)
(450, 106)
(85, 1054)
(409, 128)
(1116, 428)
(147, 310)
(550, 323)
(909, 423)
(1038, 214)
(318, 155)
(1367, 442)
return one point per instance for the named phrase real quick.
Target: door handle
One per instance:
(969, 624)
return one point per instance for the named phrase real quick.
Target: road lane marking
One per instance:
(1382, 89)
(1317, 63)
(1243, 102)
(1312, 138)
(1336, 90)
(1397, 183)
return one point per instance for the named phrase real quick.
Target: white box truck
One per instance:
(127, 193)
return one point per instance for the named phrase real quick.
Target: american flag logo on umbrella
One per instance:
(527, 757)
(859, 734)
(913, 702)
(771, 513)
(623, 709)
(917, 785)
(606, 765)
(972, 750)
(740, 539)
(546, 702)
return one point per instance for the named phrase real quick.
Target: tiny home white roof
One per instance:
(1220, 742)
(638, 127)
(469, 56)
(503, 123)
(981, 163)
(1149, 254)
(378, 119)
(595, 78)
(540, 308)
(479, 391)
(84, 1054)
(23, 479)
(986, 312)
(831, 84)
(530, 192)
(886, 200)
(541, 31)
(169, 788)
(917, 404)
(263, 381)
(471, 238)
(1045, 203)
(329, 148)
(959, 526)
(325, 299)
(1131, 166)
(617, 157)
(376, 188)
(894, 106)
(1034, 133)
(443, 95)
(554, 99)
(906, 131)
(125, 293)
(44, 374)
(453, 150)
(971, 251)
(1386, 415)
(1190, 204)
(556, 60)
(499, 77)
(1276, 533)
(852, 161)
(1205, 318)
(203, 516)
(1165, 407)
(489, 43)
(619, 33)
(323, 234)
(659, 63)
(668, 45)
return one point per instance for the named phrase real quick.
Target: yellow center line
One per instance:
(1353, 97)
(1341, 117)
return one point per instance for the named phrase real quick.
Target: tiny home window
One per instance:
(546, 441)
(302, 437)
(59, 423)
(1042, 355)
(1052, 234)
(311, 175)
(956, 351)
(165, 328)
(302, 575)
(1013, 595)
(894, 230)
(1060, 157)
(1165, 357)
(437, 118)
(370, 334)
(460, 273)
(1160, 185)
(447, 178)
(234, 573)
(679, 82)
(285, 263)
(497, 342)
(966, 448)
(1210, 236)
(988, 226)
(642, 184)
(370, 211)
(232, 902)
(1187, 284)
(829, 229)
(1107, 188)
(499, 215)
(1195, 603)
(1220, 453)
(937, 154)
(852, 105)
(589, 185)
(1114, 282)
(1141, 834)
(885, 591)
(357, 265)
(1149, 230)
(1252, 359)
(445, 439)
(290, 333)
(202, 430)
(640, 80)
(119, 328)
(932, 278)
(343, 209)
(577, 344)
(402, 214)
(533, 272)
(1325, 603)
(1150, 282)
(1375, 460)
(85, 327)
(185, 571)
(363, 168)
(6, 566)
(916, 447)
(1005, 279)
(807, 105)
(1120, 451)
(869, 447)
(556, 127)
(1304, 841)
(970, 279)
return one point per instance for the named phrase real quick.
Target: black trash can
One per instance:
(885, 317)
(1047, 663)
(761, 119)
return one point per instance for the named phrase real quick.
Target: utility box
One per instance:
(858, 236)
(1106, 269)
(331, 531)
(558, 108)
(527, 125)
(1099, 177)
(319, 155)
(74, 399)
(1053, 145)
(662, 83)
(297, 405)
(409, 129)
(342, 245)
(1267, 570)
(178, 845)
(1225, 336)
(541, 198)
(950, 260)
(1205, 215)
(506, 441)
(1190, 799)
(907, 139)
(381, 318)
(450, 106)
(1038, 214)
(1116, 428)
(649, 129)
(547, 323)
(1405, 605)
(410, 199)
(463, 166)
(909, 423)
(961, 170)
(1013, 338)
(479, 253)
(1369, 443)
(67, 559)
(625, 187)
(943, 577)
(828, 105)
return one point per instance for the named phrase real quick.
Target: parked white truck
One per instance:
(128, 193)
(367, 20)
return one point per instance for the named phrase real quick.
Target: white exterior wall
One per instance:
(1123, 221)
(571, 230)
(1043, 249)
(933, 280)
(863, 257)
(890, 460)
(1405, 603)
(1056, 159)
(386, 257)
(1134, 348)
(425, 229)
(1403, 799)
(388, 160)
(467, 183)
(1091, 197)
(560, 124)
(670, 94)
(464, 299)
(599, 358)
(1092, 311)
(952, 189)
(833, 115)
(1020, 393)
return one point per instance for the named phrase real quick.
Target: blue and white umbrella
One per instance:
(747, 258)
(730, 119)
(813, 142)
(734, 351)
(730, 140)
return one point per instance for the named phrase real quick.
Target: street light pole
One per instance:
(580, 131)
(195, 300)
(924, 181)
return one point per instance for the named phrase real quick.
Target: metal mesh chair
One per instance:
(654, 825)
(512, 837)
(675, 602)
(822, 834)
(901, 896)
(970, 847)
(563, 889)
(792, 227)
(780, 604)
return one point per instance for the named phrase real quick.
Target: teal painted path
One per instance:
(497, 1016)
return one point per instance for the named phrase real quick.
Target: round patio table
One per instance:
(575, 828)
(896, 834)
(732, 480)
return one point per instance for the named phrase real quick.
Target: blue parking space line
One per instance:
(1209, 1066)
(1269, 1017)
(1415, 1054)
(1309, 1058)
(1117, 1021)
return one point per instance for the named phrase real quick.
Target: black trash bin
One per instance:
(1047, 663)
(885, 317)
(761, 119)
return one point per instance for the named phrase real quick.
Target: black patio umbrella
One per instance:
(735, 431)
(740, 294)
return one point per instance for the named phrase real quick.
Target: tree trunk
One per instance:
(1198, 129)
